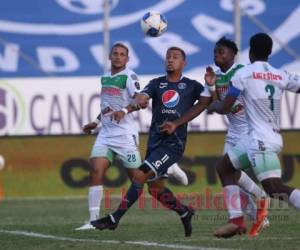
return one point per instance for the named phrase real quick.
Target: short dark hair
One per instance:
(261, 45)
(122, 45)
(228, 43)
(179, 49)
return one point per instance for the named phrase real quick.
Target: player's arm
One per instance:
(135, 106)
(87, 129)
(133, 88)
(141, 101)
(293, 82)
(169, 127)
(210, 82)
(224, 107)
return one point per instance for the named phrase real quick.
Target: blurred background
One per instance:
(53, 52)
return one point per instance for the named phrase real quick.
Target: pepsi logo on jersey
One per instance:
(170, 98)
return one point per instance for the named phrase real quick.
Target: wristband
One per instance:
(125, 110)
(211, 88)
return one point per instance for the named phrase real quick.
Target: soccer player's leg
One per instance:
(176, 172)
(268, 171)
(231, 194)
(165, 196)
(135, 190)
(257, 210)
(160, 160)
(101, 158)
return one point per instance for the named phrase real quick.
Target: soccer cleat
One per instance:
(176, 172)
(235, 226)
(261, 218)
(187, 222)
(105, 223)
(266, 223)
(86, 226)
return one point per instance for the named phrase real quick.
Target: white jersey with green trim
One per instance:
(238, 125)
(262, 86)
(117, 92)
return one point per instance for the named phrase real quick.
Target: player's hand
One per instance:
(213, 107)
(117, 115)
(87, 129)
(142, 100)
(210, 76)
(168, 127)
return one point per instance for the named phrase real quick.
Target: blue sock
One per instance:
(167, 198)
(132, 195)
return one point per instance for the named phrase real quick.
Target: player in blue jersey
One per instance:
(172, 95)
(116, 139)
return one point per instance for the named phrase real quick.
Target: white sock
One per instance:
(295, 199)
(250, 208)
(250, 186)
(232, 200)
(94, 201)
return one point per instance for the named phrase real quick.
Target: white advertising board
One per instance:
(51, 106)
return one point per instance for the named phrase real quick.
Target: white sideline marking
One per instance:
(140, 243)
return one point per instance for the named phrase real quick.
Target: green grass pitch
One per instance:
(45, 224)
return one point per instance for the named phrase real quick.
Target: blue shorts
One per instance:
(161, 157)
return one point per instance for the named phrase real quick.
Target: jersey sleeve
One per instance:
(200, 90)
(133, 85)
(149, 89)
(293, 82)
(237, 82)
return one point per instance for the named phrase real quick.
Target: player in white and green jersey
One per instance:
(261, 87)
(116, 138)
(238, 125)
(224, 54)
(117, 91)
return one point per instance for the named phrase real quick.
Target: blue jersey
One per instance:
(169, 102)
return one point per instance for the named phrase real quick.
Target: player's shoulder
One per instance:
(189, 80)
(244, 71)
(158, 80)
(106, 74)
(131, 74)
(278, 71)
(238, 66)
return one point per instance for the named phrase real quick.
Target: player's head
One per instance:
(224, 52)
(260, 47)
(175, 60)
(119, 56)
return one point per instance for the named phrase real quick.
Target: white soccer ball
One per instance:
(2, 162)
(154, 24)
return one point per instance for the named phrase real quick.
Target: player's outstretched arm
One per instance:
(87, 129)
(169, 127)
(141, 100)
(210, 81)
(119, 115)
(222, 107)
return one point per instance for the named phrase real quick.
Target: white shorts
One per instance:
(262, 157)
(238, 154)
(228, 146)
(124, 147)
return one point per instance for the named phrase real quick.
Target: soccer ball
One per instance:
(154, 24)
